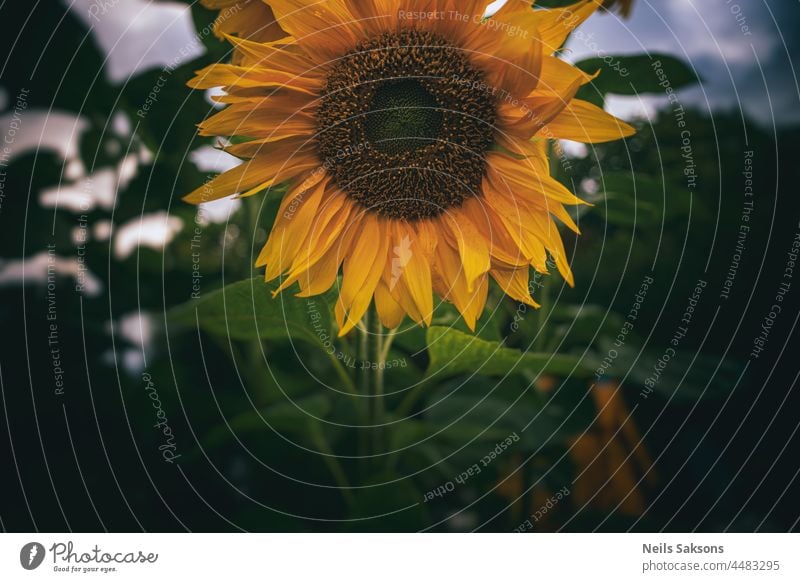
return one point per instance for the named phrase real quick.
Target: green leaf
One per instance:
(634, 74)
(246, 311)
(411, 336)
(453, 352)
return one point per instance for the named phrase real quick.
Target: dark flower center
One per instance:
(403, 116)
(401, 128)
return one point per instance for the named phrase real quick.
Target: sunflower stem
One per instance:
(377, 366)
(362, 345)
(387, 344)
(372, 352)
(364, 354)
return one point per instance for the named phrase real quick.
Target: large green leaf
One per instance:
(412, 336)
(246, 310)
(633, 74)
(453, 352)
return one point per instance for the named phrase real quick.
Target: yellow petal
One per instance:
(557, 75)
(561, 213)
(336, 216)
(582, 121)
(251, 19)
(526, 117)
(260, 172)
(416, 273)
(515, 284)
(266, 145)
(322, 276)
(521, 226)
(552, 25)
(363, 268)
(389, 310)
(282, 55)
(454, 286)
(476, 302)
(295, 217)
(509, 51)
(225, 75)
(327, 29)
(559, 254)
(556, 24)
(275, 115)
(526, 181)
(504, 249)
(472, 246)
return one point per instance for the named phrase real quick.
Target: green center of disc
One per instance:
(403, 117)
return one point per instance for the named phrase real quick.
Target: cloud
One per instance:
(140, 34)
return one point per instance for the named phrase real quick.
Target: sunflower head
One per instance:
(400, 95)
(413, 137)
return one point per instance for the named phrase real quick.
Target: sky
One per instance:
(742, 49)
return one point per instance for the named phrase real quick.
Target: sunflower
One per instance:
(412, 137)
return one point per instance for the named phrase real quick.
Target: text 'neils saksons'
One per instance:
(663, 548)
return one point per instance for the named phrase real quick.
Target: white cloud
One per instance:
(37, 130)
(153, 231)
(34, 270)
(84, 195)
(140, 34)
(634, 107)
